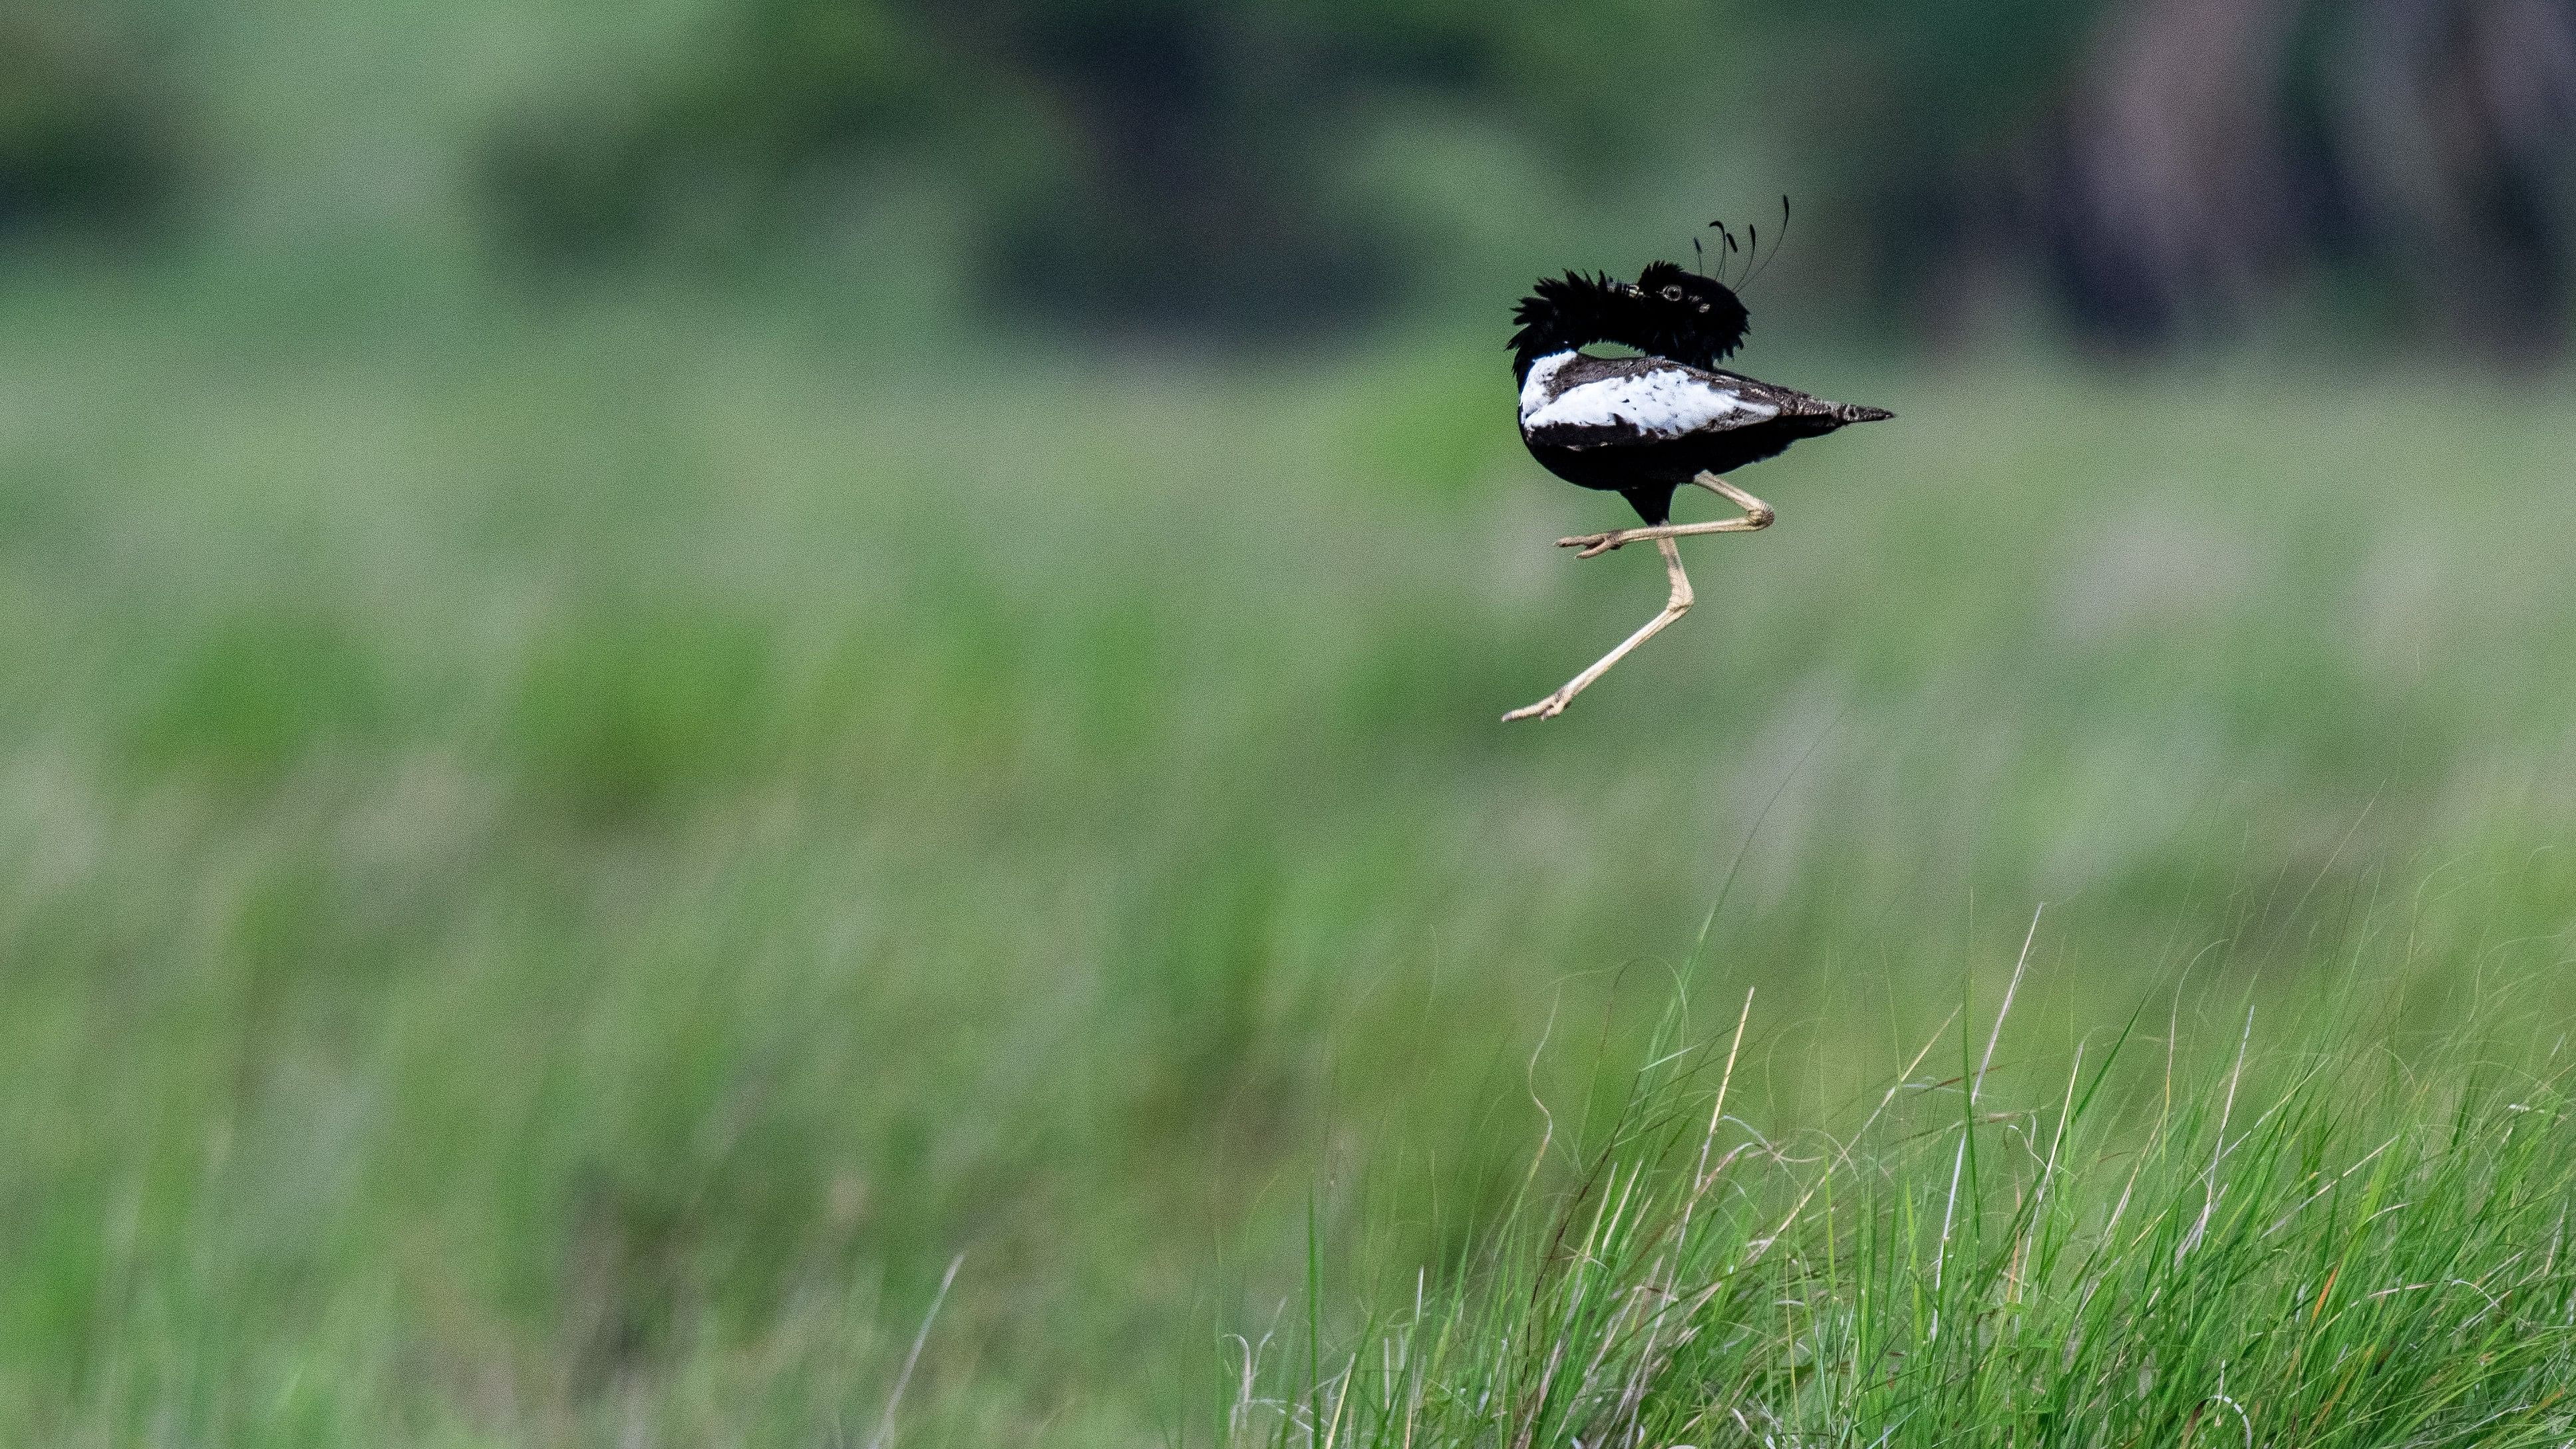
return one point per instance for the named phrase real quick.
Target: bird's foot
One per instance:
(1548, 708)
(1593, 544)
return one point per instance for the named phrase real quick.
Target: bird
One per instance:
(1645, 426)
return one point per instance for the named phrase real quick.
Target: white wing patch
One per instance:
(1667, 402)
(1541, 373)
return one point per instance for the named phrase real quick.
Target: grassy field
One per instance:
(562, 870)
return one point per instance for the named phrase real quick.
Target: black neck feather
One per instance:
(1567, 312)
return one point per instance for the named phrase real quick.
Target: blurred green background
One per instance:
(667, 663)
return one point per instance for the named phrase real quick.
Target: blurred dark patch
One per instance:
(2162, 172)
(2165, 170)
(735, 143)
(2207, 158)
(90, 138)
(2168, 171)
(1186, 195)
(1149, 165)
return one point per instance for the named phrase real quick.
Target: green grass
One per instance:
(2319, 1246)
(561, 869)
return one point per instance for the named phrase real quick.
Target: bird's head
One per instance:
(1685, 316)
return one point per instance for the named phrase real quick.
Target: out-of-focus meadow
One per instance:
(657, 681)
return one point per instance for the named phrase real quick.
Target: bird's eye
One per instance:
(1672, 293)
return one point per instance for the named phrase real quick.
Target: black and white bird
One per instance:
(1644, 426)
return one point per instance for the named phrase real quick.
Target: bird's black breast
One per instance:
(1647, 477)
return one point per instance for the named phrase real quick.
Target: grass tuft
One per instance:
(2315, 1242)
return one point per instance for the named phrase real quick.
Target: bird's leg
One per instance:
(1757, 516)
(1675, 605)
(1754, 508)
